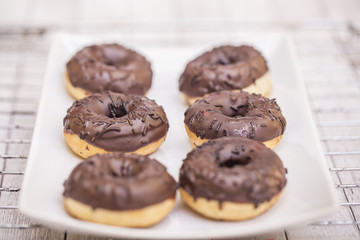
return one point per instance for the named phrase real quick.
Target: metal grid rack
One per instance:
(330, 64)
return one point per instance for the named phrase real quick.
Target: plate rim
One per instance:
(135, 233)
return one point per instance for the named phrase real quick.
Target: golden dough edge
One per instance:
(229, 211)
(144, 217)
(196, 141)
(85, 150)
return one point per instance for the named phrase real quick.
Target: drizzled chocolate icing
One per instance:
(229, 113)
(120, 181)
(222, 68)
(109, 67)
(233, 169)
(116, 121)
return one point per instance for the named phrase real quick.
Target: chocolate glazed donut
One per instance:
(229, 113)
(226, 68)
(97, 68)
(231, 178)
(120, 189)
(113, 122)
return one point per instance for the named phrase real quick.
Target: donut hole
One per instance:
(226, 60)
(116, 111)
(233, 162)
(232, 58)
(235, 111)
(123, 169)
(110, 63)
(114, 62)
(114, 55)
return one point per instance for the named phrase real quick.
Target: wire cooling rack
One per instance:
(330, 64)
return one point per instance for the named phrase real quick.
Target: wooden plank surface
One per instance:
(326, 39)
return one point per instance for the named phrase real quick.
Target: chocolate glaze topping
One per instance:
(110, 67)
(229, 113)
(222, 68)
(233, 169)
(120, 181)
(116, 121)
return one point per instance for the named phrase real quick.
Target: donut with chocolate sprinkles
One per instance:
(228, 113)
(226, 68)
(231, 178)
(115, 122)
(120, 189)
(112, 67)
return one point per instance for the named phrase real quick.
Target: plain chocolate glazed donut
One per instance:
(116, 122)
(97, 68)
(120, 181)
(232, 169)
(228, 113)
(119, 185)
(222, 68)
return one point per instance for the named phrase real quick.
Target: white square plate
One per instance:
(309, 193)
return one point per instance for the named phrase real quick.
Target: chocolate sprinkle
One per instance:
(191, 119)
(212, 124)
(218, 127)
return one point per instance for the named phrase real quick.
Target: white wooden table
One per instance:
(326, 36)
